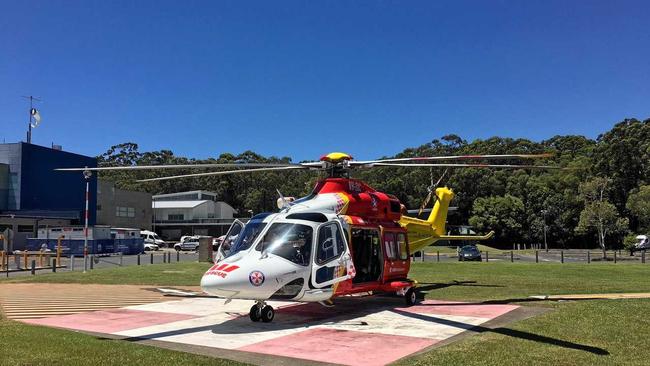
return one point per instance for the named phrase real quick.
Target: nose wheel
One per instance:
(261, 311)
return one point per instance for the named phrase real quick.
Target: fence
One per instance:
(36, 262)
(541, 256)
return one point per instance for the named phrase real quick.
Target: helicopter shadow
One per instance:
(507, 332)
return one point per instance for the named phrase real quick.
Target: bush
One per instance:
(629, 241)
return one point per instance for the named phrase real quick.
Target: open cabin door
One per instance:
(331, 256)
(224, 248)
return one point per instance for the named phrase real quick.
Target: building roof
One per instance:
(177, 204)
(183, 193)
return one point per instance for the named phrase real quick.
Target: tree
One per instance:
(503, 214)
(638, 203)
(599, 214)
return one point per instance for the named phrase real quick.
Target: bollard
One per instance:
(588, 257)
(512, 256)
(25, 258)
(422, 256)
(33, 267)
(72, 262)
(643, 256)
(138, 259)
(562, 256)
(151, 259)
(437, 256)
(178, 256)
(92, 262)
(536, 256)
(614, 257)
(487, 256)
(53, 265)
(121, 259)
(164, 258)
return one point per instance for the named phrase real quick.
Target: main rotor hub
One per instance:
(337, 164)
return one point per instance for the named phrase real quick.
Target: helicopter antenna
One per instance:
(285, 203)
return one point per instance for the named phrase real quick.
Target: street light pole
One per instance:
(87, 175)
(544, 212)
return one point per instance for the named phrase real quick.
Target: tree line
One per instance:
(601, 198)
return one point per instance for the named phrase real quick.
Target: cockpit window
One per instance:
(289, 241)
(242, 240)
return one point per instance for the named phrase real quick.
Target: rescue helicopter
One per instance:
(343, 239)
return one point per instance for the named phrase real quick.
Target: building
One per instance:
(191, 213)
(121, 208)
(33, 194)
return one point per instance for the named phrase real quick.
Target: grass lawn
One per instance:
(574, 333)
(177, 274)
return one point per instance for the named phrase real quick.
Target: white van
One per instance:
(151, 240)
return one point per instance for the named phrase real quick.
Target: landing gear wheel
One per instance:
(411, 297)
(255, 314)
(267, 314)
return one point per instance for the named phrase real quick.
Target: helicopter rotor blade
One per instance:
(454, 157)
(181, 166)
(461, 165)
(223, 173)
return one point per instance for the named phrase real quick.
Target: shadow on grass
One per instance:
(507, 332)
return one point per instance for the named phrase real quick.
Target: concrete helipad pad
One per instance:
(357, 331)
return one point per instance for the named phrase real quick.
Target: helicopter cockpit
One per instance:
(272, 252)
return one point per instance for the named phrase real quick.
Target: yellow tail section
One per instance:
(422, 233)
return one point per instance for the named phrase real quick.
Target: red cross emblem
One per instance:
(256, 278)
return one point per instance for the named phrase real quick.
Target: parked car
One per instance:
(150, 247)
(188, 243)
(151, 238)
(642, 244)
(469, 253)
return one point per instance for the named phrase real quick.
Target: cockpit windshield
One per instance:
(240, 240)
(289, 241)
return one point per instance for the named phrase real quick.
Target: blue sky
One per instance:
(302, 78)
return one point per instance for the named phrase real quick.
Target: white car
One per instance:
(151, 238)
(188, 243)
(148, 247)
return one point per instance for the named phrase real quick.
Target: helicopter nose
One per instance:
(222, 280)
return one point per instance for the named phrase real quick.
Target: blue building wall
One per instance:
(44, 189)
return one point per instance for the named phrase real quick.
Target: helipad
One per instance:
(369, 331)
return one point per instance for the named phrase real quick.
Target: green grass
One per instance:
(32, 345)
(177, 274)
(499, 280)
(611, 332)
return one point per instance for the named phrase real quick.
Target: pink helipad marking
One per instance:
(110, 321)
(459, 309)
(312, 311)
(342, 346)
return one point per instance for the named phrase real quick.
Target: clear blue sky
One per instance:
(302, 78)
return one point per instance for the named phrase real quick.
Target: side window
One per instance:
(389, 246)
(330, 243)
(401, 244)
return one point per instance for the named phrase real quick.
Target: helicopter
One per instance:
(343, 239)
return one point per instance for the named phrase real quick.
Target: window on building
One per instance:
(25, 228)
(176, 217)
(99, 207)
(124, 211)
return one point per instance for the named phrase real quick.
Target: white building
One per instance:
(190, 213)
